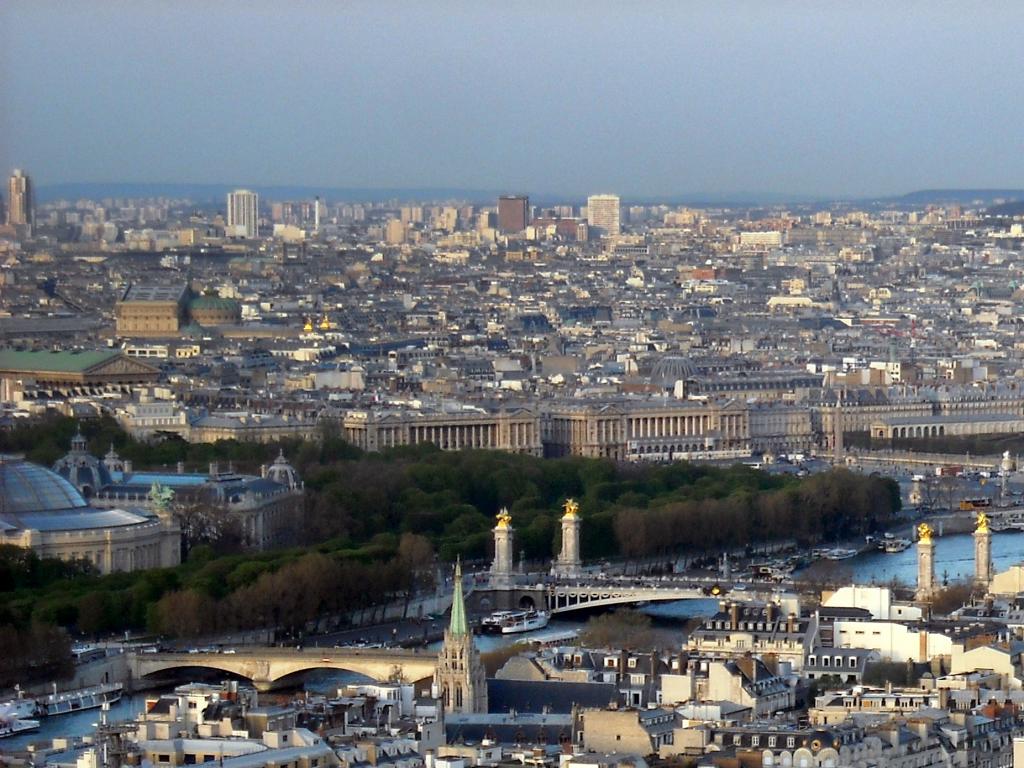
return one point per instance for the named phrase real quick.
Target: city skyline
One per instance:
(736, 100)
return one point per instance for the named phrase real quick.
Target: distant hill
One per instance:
(215, 194)
(209, 193)
(960, 196)
(1012, 208)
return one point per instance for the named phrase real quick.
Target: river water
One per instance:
(954, 561)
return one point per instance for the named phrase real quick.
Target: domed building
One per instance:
(670, 369)
(44, 512)
(268, 508)
(82, 469)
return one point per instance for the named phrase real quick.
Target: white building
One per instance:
(603, 214)
(243, 213)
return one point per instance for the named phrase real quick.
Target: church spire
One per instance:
(458, 626)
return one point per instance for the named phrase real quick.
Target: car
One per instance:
(229, 650)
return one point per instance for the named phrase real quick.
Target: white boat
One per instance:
(893, 544)
(78, 700)
(11, 724)
(1006, 519)
(840, 554)
(513, 622)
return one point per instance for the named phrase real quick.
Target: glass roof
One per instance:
(26, 487)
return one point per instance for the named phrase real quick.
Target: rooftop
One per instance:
(74, 361)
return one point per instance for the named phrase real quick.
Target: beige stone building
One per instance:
(516, 430)
(156, 310)
(780, 428)
(647, 430)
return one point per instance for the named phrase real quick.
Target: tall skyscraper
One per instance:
(603, 214)
(513, 213)
(20, 203)
(243, 213)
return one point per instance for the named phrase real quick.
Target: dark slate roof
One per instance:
(557, 696)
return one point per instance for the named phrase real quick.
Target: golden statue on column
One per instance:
(981, 523)
(571, 508)
(924, 533)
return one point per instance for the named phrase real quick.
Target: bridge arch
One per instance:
(267, 667)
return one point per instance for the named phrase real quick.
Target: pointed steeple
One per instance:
(458, 626)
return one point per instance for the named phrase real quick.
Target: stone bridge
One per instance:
(568, 596)
(267, 667)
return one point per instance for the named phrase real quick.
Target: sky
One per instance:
(645, 99)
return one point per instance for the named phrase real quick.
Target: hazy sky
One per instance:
(819, 98)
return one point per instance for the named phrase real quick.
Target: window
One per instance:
(737, 739)
(790, 741)
(632, 663)
(755, 741)
(163, 758)
(771, 742)
(853, 662)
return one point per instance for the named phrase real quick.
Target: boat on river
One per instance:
(12, 724)
(840, 553)
(54, 704)
(894, 544)
(514, 622)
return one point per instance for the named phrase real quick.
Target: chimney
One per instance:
(181, 467)
(791, 623)
(127, 466)
(746, 665)
(943, 698)
(734, 615)
(769, 613)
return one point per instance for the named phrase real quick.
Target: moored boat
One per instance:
(12, 726)
(78, 700)
(514, 622)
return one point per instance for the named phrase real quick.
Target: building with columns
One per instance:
(460, 680)
(647, 430)
(516, 430)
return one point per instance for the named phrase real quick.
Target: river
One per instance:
(954, 561)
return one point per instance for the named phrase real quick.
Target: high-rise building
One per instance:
(243, 213)
(20, 203)
(513, 213)
(603, 214)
